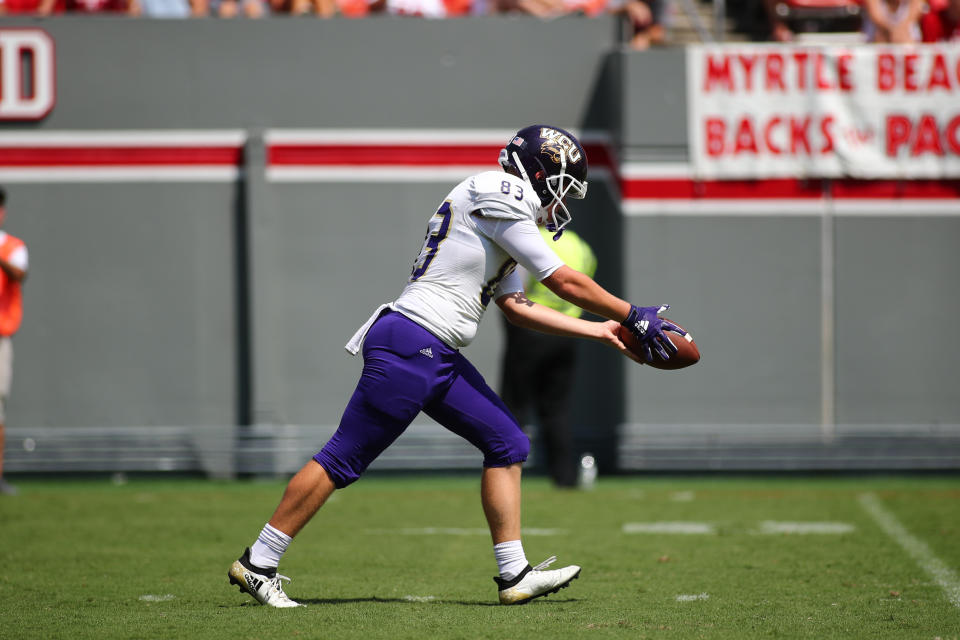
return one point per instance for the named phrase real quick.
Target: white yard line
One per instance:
(419, 598)
(771, 527)
(693, 597)
(686, 528)
(943, 575)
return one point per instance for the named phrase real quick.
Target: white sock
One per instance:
(270, 545)
(511, 559)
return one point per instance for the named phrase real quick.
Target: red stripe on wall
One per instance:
(383, 155)
(788, 189)
(913, 189)
(417, 155)
(687, 189)
(476, 154)
(114, 156)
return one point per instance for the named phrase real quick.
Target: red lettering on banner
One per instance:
(923, 137)
(910, 72)
(799, 70)
(886, 72)
(798, 135)
(745, 140)
(801, 58)
(898, 132)
(825, 125)
(823, 82)
(718, 73)
(843, 71)
(939, 76)
(716, 130)
(768, 139)
(775, 135)
(747, 63)
(953, 135)
(927, 139)
(774, 69)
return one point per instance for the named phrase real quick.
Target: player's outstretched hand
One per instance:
(648, 329)
(609, 333)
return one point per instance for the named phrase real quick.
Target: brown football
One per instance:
(687, 352)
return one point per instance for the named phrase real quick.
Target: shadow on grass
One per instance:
(376, 600)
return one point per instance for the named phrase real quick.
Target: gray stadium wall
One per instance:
(180, 320)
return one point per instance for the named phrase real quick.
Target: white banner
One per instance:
(865, 111)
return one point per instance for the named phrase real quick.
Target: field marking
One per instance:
(693, 597)
(155, 598)
(419, 598)
(945, 577)
(767, 527)
(771, 527)
(685, 528)
(682, 496)
(459, 531)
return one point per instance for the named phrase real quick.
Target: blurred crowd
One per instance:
(647, 22)
(875, 21)
(646, 16)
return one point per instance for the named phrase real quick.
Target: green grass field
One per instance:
(407, 557)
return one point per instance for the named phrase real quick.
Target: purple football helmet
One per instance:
(552, 160)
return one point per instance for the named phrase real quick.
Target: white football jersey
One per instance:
(485, 226)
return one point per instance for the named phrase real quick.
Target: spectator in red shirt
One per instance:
(97, 6)
(943, 24)
(30, 7)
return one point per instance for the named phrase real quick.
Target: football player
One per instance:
(485, 226)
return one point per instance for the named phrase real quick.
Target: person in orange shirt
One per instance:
(13, 270)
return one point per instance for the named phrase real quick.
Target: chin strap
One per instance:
(519, 166)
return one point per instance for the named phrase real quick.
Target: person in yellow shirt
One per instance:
(13, 270)
(538, 369)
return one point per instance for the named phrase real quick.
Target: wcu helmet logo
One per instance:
(556, 145)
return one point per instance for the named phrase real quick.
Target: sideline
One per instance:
(917, 548)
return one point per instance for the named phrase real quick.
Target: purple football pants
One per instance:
(406, 370)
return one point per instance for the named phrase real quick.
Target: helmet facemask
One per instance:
(561, 186)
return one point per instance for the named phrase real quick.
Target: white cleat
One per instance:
(265, 587)
(534, 583)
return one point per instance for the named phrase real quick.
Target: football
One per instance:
(687, 352)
